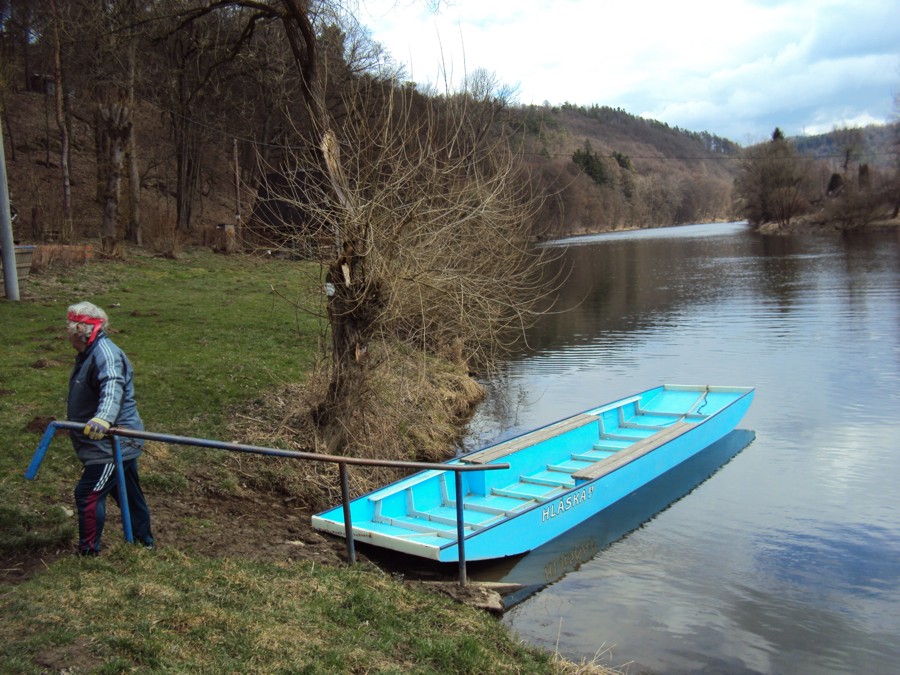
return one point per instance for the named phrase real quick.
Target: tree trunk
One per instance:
(118, 128)
(134, 230)
(101, 153)
(67, 225)
(353, 305)
(354, 300)
(26, 56)
(187, 141)
(9, 131)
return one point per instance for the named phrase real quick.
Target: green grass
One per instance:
(207, 335)
(27, 529)
(134, 610)
(204, 333)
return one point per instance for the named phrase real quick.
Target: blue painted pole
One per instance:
(123, 492)
(341, 461)
(41, 450)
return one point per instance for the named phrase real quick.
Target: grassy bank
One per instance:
(205, 334)
(213, 340)
(135, 611)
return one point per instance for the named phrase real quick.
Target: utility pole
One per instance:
(10, 273)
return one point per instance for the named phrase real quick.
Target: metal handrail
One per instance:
(341, 461)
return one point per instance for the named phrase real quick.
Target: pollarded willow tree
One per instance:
(427, 213)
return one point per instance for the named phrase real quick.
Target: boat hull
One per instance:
(560, 475)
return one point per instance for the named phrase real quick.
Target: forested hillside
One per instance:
(176, 118)
(603, 168)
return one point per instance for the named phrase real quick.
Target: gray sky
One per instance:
(736, 68)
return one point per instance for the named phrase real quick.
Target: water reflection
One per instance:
(568, 552)
(789, 559)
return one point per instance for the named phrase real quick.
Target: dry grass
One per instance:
(412, 411)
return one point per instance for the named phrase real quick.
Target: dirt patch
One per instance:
(39, 425)
(254, 528)
(45, 363)
(61, 659)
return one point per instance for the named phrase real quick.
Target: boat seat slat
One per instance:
(594, 455)
(617, 405)
(553, 482)
(483, 508)
(515, 494)
(622, 437)
(632, 453)
(532, 438)
(669, 413)
(447, 520)
(607, 449)
(641, 426)
(570, 468)
(431, 527)
(400, 487)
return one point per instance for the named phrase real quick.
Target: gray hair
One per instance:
(86, 309)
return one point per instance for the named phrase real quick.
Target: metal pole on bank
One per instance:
(123, 493)
(7, 244)
(341, 461)
(31, 472)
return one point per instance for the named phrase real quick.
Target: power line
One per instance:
(892, 153)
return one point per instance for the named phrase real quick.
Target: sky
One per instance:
(734, 68)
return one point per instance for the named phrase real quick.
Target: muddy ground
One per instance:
(258, 528)
(253, 528)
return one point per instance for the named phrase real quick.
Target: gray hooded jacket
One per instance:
(102, 385)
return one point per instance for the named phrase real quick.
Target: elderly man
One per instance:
(101, 394)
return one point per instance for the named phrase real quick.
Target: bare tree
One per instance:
(428, 216)
(442, 237)
(117, 123)
(197, 50)
(67, 225)
(134, 229)
(105, 38)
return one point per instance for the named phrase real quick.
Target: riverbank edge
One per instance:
(200, 512)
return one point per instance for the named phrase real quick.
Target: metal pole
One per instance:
(7, 243)
(341, 461)
(123, 492)
(31, 473)
(348, 522)
(460, 529)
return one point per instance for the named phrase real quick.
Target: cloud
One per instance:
(737, 68)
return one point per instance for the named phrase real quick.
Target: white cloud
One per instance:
(738, 68)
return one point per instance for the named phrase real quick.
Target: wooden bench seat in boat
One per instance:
(525, 440)
(633, 452)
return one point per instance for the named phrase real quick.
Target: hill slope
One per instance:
(641, 173)
(633, 172)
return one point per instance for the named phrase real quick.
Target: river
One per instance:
(777, 551)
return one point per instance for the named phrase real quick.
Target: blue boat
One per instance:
(559, 475)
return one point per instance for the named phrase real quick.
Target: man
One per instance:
(101, 394)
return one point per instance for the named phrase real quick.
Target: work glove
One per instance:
(96, 428)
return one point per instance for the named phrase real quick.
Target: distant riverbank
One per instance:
(817, 225)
